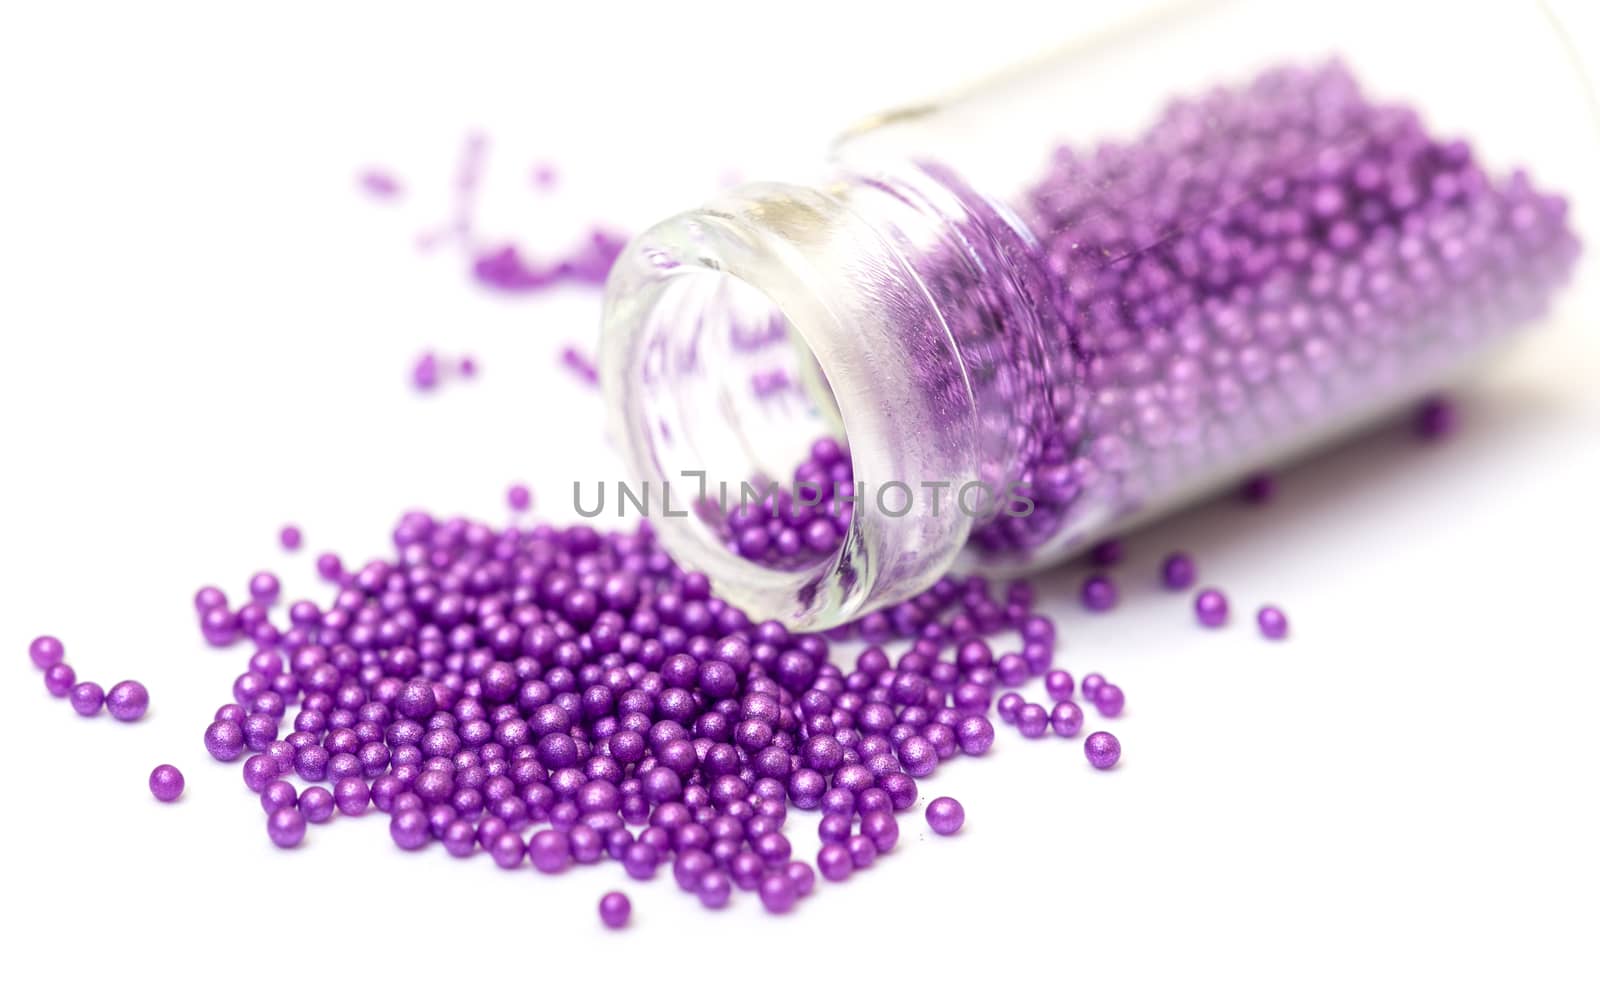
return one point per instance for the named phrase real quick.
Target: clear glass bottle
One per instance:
(1093, 289)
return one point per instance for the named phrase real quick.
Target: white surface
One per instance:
(206, 333)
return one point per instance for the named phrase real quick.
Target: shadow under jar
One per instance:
(1010, 323)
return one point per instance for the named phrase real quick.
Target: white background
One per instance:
(205, 332)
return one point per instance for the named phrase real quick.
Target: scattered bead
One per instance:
(520, 499)
(1066, 719)
(945, 815)
(1274, 624)
(166, 783)
(1099, 593)
(46, 651)
(1108, 700)
(615, 908)
(286, 826)
(1102, 749)
(290, 537)
(87, 698)
(1211, 607)
(58, 679)
(127, 700)
(1178, 572)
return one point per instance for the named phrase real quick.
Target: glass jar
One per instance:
(1007, 324)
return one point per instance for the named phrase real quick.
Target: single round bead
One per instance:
(1274, 624)
(1178, 572)
(1032, 721)
(881, 828)
(550, 851)
(128, 700)
(286, 826)
(777, 893)
(975, 734)
(166, 783)
(409, 829)
(714, 890)
(278, 793)
(945, 815)
(1091, 686)
(1059, 685)
(1099, 593)
(615, 909)
(87, 698)
(1108, 700)
(1066, 719)
(289, 537)
(58, 680)
(1102, 749)
(520, 498)
(259, 770)
(508, 850)
(46, 651)
(1211, 607)
(317, 804)
(834, 862)
(224, 740)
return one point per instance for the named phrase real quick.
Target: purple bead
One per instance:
(286, 826)
(166, 783)
(278, 793)
(1102, 749)
(881, 828)
(289, 537)
(1099, 593)
(409, 829)
(1211, 608)
(1007, 707)
(58, 680)
(975, 734)
(87, 698)
(1178, 572)
(715, 889)
(259, 770)
(834, 862)
(615, 909)
(1066, 718)
(1059, 685)
(128, 700)
(317, 804)
(1108, 700)
(778, 893)
(1032, 721)
(224, 740)
(1091, 686)
(550, 851)
(945, 815)
(351, 796)
(508, 851)
(46, 651)
(1274, 624)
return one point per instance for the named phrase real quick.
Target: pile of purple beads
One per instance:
(487, 683)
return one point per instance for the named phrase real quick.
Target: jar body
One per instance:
(1092, 290)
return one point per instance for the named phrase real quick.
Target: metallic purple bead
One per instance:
(975, 734)
(715, 889)
(1211, 607)
(278, 793)
(881, 828)
(1178, 572)
(317, 804)
(508, 850)
(1099, 593)
(550, 851)
(1032, 721)
(46, 651)
(1059, 685)
(352, 796)
(1066, 718)
(834, 862)
(166, 783)
(945, 815)
(259, 770)
(128, 700)
(1108, 700)
(777, 892)
(224, 740)
(1102, 749)
(615, 909)
(409, 829)
(58, 680)
(87, 698)
(286, 826)
(1274, 624)
(1009, 704)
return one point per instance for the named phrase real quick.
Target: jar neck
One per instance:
(892, 315)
